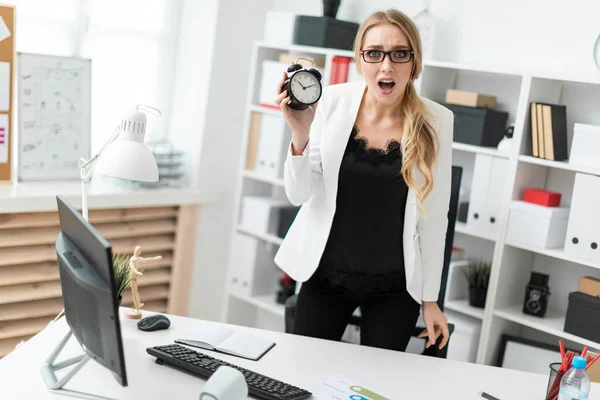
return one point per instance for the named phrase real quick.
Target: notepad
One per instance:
(228, 341)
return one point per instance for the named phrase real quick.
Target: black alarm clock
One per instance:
(303, 86)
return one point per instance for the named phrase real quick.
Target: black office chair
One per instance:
(434, 351)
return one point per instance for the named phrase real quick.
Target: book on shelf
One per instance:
(339, 70)
(549, 131)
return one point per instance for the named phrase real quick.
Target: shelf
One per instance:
(553, 323)
(461, 227)
(463, 307)
(265, 237)
(324, 51)
(266, 110)
(555, 253)
(265, 302)
(266, 179)
(490, 151)
(472, 67)
(560, 165)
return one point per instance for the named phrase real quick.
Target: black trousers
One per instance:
(323, 310)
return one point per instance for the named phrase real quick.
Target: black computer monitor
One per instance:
(89, 290)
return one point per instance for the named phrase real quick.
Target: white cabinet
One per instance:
(583, 232)
(485, 203)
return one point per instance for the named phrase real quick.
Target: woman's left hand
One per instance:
(436, 323)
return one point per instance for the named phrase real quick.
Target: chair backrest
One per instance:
(452, 215)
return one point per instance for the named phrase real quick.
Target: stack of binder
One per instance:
(549, 131)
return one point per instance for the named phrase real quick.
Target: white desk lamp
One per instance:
(124, 155)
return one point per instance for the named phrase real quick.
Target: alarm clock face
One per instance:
(305, 87)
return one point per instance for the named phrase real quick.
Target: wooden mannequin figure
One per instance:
(134, 269)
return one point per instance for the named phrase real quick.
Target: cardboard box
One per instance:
(594, 371)
(589, 285)
(291, 58)
(470, 99)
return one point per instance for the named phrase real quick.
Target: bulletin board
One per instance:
(54, 108)
(7, 72)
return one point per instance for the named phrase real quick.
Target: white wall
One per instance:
(193, 65)
(551, 35)
(223, 93)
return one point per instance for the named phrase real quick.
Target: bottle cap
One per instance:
(579, 362)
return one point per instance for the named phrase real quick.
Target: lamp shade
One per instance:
(128, 157)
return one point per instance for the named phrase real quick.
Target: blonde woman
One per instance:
(371, 167)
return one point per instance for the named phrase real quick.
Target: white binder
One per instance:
(274, 141)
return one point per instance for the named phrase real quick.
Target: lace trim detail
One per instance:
(391, 146)
(392, 282)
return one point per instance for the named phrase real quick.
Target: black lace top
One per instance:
(364, 249)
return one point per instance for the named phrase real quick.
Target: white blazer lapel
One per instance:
(336, 134)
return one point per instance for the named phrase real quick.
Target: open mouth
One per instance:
(386, 84)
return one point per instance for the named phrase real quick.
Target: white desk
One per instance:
(297, 360)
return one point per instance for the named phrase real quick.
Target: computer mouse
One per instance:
(154, 323)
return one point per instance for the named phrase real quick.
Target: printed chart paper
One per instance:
(341, 387)
(54, 116)
(3, 138)
(4, 86)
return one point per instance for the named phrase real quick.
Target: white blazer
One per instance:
(311, 180)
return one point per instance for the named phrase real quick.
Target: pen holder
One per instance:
(553, 380)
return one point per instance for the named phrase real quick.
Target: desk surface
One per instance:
(298, 360)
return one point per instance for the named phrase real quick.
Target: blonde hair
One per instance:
(419, 141)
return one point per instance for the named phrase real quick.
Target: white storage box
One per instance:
(271, 73)
(585, 146)
(536, 225)
(279, 27)
(583, 234)
(253, 270)
(260, 214)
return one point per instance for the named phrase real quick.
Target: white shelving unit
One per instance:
(512, 263)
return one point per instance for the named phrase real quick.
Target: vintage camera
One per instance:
(536, 295)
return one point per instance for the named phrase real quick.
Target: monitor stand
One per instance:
(54, 384)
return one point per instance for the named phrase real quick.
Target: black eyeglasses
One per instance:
(401, 56)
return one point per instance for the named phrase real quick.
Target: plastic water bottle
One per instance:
(575, 383)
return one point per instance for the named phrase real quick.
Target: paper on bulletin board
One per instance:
(54, 111)
(4, 86)
(341, 387)
(3, 138)
(4, 31)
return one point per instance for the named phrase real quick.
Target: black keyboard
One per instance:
(259, 386)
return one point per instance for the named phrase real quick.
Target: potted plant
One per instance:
(478, 275)
(122, 274)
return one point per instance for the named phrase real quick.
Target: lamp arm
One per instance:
(86, 168)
